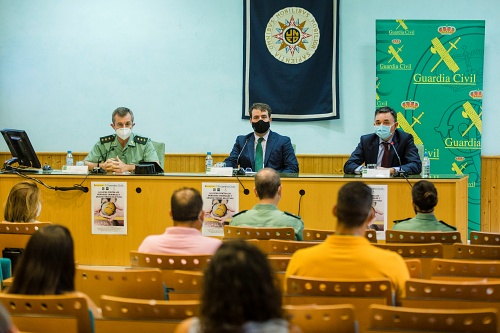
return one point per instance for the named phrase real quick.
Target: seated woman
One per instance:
(240, 294)
(424, 198)
(47, 266)
(23, 203)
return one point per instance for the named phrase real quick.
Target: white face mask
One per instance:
(123, 133)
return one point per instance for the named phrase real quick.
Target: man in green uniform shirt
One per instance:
(120, 152)
(266, 213)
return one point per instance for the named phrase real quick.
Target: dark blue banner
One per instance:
(290, 58)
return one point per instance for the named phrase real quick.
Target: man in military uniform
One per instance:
(266, 213)
(120, 152)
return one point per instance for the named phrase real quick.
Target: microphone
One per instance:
(301, 193)
(401, 171)
(241, 152)
(98, 169)
(73, 188)
(241, 171)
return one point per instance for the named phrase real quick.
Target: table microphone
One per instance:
(238, 158)
(301, 193)
(401, 171)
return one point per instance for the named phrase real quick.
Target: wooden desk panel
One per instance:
(148, 210)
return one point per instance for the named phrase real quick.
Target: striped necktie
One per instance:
(259, 159)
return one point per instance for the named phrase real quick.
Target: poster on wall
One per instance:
(220, 203)
(431, 73)
(379, 205)
(109, 208)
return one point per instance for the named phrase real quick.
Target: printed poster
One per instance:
(220, 203)
(379, 224)
(109, 208)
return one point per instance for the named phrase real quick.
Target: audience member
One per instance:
(47, 266)
(348, 254)
(266, 213)
(268, 148)
(23, 203)
(424, 198)
(378, 147)
(185, 236)
(240, 294)
(120, 152)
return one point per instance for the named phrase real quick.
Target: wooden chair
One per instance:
(484, 238)
(186, 285)
(360, 293)
(452, 294)
(414, 267)
(323, 318)
(133, 283)
(451, 269)
(424, 252)
(287, 247)
(128, 315)
(446, 238)
(262, 234)
(319, 235)
(402, 319)
(48, 313)
(17, 234)
(476, 252)
(168, 263)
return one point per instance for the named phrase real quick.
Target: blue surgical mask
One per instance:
(383, 131)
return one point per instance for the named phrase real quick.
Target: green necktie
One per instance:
(259, 160)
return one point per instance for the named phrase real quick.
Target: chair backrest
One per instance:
(414, 267)
(231, 231)
(48, 313)
(402, 319)
(319, 235)
(287, 247)
(398, 236)
(476, 252)
(168, 263)
(323, 318)
(186, 285)
(465, 269)
(484, 238)
(17, 234)
(132, 283)
(160, 151)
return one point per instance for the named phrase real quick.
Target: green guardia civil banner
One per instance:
(431, 73)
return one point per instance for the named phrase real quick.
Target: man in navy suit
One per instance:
(371, 148)
(277, 151)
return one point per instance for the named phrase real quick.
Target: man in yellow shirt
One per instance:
(348, 254)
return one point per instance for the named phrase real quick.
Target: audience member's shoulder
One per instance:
(240, 213)
(292, 215)
(446, 225)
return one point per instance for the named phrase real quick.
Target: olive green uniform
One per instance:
(268, 215)
(137, 150)
(422, 222)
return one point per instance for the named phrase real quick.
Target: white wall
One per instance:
(66, 65)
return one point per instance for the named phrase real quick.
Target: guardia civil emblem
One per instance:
(292, 35)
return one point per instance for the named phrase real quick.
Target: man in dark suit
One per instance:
(378, 148)
(275, 151)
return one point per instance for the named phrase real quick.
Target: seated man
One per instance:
(348, 254)
(185, 236)
(424, 199)
(266, 213)
(263, 148)
(120, 152)
(378, 148)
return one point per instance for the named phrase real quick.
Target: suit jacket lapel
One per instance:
(373, 149)
(250, 148)
(269, 146)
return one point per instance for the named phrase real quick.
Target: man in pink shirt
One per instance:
(185, 236)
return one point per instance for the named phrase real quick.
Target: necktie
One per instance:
(385, 157)
(259, 160)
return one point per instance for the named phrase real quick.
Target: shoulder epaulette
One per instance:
(243, 211)
(107, 139)
(292, 215)
(140, 139)
(446, 224)
(397, 221)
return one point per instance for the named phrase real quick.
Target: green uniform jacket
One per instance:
(423, 222)
(268, 215)
(137, 150)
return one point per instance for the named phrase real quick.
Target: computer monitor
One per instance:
(21, 149)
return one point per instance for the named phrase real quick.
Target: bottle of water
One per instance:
(209, 161)
(69, 158)
(426, 166)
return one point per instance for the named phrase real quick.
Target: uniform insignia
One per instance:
(107, 139)
(292, 215)
(446, 224)
(397, 221)
(243, 211)
(140, 139)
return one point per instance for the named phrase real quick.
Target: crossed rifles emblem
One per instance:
(444, 54)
